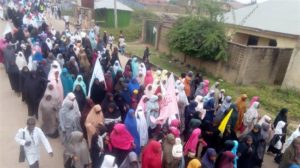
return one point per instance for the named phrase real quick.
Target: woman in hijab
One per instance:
(131, 161)
(151, 155)
(109, 81)
(80, 97)
(67, 81)
(291, 156)
(122, 142)
(276, 142)
(73, 66)
(79, 81)
(24, 75)
(282, 116)
(294, 135)
(69, 117)
(131, 125)
(84, 62)
(187, 85)
(167, 145)
(259, 145)
(98, 146)
(114, 56)
(209, 158)
(182, 102)
(98, 91)
(140, 78)
(194, 163)
(190, 110)
(21, 60)
(117, 67)
(77, 150)
(112, 115)
(246, 152)
(134, 67)
(109, 161)
(250, 117)
(133, 85)
(226, 160)
(87, 108)
(209, 106)
(141, 125)
(205, 89)
(190, 148)
(241, 107)
(127, 73)
(254, 99)
(152, 109)
(234, 151)
(108, 99)
(224, 107)
(48, 109)
(93, 120)
(148, 78)
(200, 108)
(33, 93)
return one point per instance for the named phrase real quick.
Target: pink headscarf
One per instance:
(148, 78)
(254, 99)
(206, 86)
(174, 131)
(191, 144)
(120, 137)
(175, 123)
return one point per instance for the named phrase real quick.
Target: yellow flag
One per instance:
(224, 122)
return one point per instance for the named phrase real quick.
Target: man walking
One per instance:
(30, 138)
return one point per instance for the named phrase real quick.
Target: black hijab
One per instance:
(98, 91)
(80, 98)
(109, 98)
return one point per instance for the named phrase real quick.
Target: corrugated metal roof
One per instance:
(282, 16)
(109, 4)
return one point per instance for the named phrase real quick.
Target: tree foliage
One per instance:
(199, 37)
(201, 34)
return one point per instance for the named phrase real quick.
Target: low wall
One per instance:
(246, 65)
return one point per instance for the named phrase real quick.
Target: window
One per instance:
(273, 43)
(252, 40)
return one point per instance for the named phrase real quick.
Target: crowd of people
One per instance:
(109, 116)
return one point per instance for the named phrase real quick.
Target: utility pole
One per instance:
(116, 13)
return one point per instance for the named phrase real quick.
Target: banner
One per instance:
(224, 122)
(97, 73)
(169, 106)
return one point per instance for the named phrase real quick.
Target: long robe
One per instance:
(67, 81)
(131, 125)
(92, 121)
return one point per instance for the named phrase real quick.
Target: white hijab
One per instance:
(250, 117)
(199, 100)
(278, 131)
(49, 43)
(117, 67)
(109, 162)
(141, 125)
(97, 73)
(20, 60)
(289, 141)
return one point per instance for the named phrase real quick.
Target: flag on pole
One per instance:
(224, 122)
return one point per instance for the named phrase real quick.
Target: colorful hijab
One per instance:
(121, 138)
(131, 125)
(254, 99)
(151, 155)
(191, 144)
(79, 81)
(194, 163)
(141, 125)
(234, 151)
(134, 67)
(148, 78)
(67, 81)
(94, 119)
(252, 113)
(206, 161)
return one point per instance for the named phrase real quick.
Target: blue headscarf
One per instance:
(234, 151)
(133, 85)
(206, 161)
(134, 68)
(131, 125)
(81, 83)
(37, 57)
(67, 81)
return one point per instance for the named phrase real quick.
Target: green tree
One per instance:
(202, 34)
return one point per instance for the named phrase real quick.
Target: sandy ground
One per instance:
(13, 115)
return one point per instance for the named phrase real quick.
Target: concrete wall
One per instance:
(246, 65)
(292, 77)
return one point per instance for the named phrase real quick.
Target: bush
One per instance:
(199, 37)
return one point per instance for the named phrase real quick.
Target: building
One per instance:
(104, 13)
(274, 23)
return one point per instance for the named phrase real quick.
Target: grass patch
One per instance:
(134, 30)
(273, 98)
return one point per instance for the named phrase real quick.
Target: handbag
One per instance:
(22, 151)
